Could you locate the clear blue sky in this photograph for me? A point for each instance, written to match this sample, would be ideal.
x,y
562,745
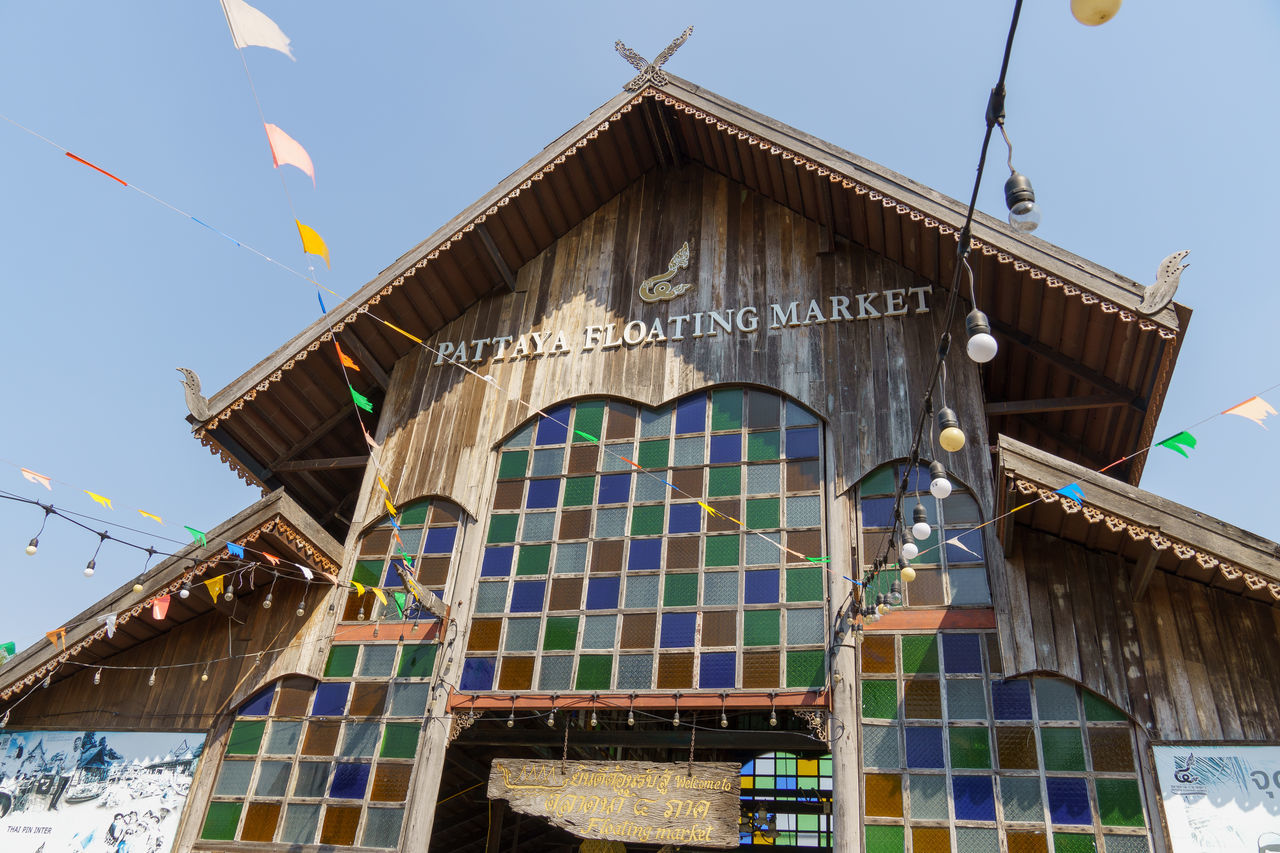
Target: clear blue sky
x,y
1153,133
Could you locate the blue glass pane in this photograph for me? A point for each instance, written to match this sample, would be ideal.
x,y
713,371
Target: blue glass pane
x,y
477,674
553,429
917,480
645,554
392,577
260,704
685,518
677,629
924,748
961,653
1011,700
691,414
350,781
974,797
330,701
526,596
497,562
615,488
726,448
802,443
440,540
1068,800
761,587
543,494
718,669
877,512
602,593
972,540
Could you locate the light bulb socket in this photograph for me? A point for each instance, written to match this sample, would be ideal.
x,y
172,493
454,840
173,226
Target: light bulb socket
x,y
895,593
976,323
1017,190
185,591
919,514
32,546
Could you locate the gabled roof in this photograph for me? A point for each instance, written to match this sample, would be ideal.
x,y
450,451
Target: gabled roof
x,y
1081,372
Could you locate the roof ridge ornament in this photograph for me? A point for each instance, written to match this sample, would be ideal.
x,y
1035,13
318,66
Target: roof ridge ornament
x,y
1160,294
650,72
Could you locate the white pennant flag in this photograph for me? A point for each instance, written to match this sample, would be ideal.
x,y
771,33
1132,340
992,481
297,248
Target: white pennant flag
x,y
110,619
955,540
249,27
306,573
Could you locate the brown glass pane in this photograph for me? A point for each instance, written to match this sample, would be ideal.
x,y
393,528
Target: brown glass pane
x,y
877,653
688,480
351,610
321,737
391,783
760,669
683,553
516,674
873,545
803,476
260,821
926,590
1027,842
443,511
584,458
368,700
1016,748
884,795
1112,750
675,671
606,556
340,825
720,628
922,699
375,543
484,635
295,697
806,542
637,630
930,839
575,524
993,654
621,422
730,508
566,594
509,494
433,571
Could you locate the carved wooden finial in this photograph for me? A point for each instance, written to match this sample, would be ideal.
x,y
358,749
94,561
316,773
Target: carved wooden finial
x,y
196,402
650,71
1160,293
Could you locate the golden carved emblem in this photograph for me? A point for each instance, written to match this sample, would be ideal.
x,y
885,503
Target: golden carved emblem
x,y
659,287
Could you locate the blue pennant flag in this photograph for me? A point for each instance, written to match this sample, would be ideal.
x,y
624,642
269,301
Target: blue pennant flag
x,y
1072,491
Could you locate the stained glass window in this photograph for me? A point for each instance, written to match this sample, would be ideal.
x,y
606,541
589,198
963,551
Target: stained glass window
x,y
602,568
788,799
955,757
421,543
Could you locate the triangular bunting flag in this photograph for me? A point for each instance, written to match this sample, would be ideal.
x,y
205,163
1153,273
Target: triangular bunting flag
x,y
99,499
285,151
214,585
8,649
235,550
368,439
306,573
57,637
359,588
588,436
312,243
271,558
38,479
1179,444
1072,491
955,540
1255,409
320,299
251,28
383,485
110,619
344,358
151,516
197,536
390,506
361,400
159,607
379,593
399,599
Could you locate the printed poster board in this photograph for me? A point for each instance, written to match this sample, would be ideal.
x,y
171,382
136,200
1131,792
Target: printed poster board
x,y
1220,796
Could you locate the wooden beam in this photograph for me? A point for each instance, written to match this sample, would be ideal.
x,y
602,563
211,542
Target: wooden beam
x,y
1142,573
319,432
1071,441
494,255
654,139
324,464
1054,404
494,842
727,739
367,361
670,138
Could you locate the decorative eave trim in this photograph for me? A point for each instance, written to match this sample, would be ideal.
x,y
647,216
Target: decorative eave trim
x,y
1154,537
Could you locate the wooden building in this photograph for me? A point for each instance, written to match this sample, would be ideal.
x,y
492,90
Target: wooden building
x,y
641,412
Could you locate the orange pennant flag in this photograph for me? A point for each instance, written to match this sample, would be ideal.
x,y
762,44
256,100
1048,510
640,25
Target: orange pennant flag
x,y
214,585
151,516
285,151
99,499
271,558
1255,409
57,637
312,243
344,358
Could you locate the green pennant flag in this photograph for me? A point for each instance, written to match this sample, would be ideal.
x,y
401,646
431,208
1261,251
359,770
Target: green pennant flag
x,y
1179,444
198,536
398,598
588,436
818,559
8,650
361,400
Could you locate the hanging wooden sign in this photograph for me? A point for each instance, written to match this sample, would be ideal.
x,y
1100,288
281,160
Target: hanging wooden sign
x,y
626,801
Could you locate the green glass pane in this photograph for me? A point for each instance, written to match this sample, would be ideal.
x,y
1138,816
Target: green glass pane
x,y
919,653
502,528
763,512
246,737
579,491
760,628
806,668
594,672
881,482
561,633
880,700
885,839
367,572
414,515
400,740
724,482
1099,710
654,454
722,550
342,662
1063,749
533,559
726,409
417,660
513,464
646,520
763,446
1073,842
970,748
588,418
680,591
804,584
1119,803
220,821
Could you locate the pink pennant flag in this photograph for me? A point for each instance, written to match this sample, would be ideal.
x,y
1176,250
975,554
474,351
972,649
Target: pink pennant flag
x,y
368,439
285,151
1255,409
38,479
249,27
159,607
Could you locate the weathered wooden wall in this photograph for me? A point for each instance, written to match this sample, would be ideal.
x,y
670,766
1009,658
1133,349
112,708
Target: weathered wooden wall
x,y
1186,660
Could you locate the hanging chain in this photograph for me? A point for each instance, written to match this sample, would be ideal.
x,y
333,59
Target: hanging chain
x,y
693,734
564,756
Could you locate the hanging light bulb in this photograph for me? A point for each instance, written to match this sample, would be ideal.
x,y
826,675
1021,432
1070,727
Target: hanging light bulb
x,y
724,719
551,718
939,486
511,718
137,587
858,634
909,550
32,546
882,605
920,527
302,608
773,718
1092,13
97,675
204,676
151,682
595,721
4,721
950,436
89,568
895,593
908,574
185,592
266,602
360,615
982,346
1024,213
675,719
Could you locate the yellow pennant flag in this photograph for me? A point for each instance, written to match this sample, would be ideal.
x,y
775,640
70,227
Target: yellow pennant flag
x,y
390,508
312,243
151,516
99,499
711,511
378,592
214,585
359,588
383,485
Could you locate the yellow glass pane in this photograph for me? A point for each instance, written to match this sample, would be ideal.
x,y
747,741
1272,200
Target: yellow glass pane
x,y
930,839
884,795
